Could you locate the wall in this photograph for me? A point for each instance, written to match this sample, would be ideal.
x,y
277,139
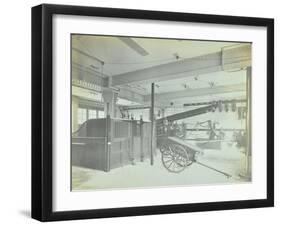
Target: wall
x,y
15,112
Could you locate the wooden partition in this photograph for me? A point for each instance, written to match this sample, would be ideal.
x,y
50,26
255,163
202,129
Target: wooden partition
x,y
89,145
121,143
105,144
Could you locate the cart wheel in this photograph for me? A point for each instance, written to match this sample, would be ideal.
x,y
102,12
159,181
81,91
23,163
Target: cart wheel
x,y
175,158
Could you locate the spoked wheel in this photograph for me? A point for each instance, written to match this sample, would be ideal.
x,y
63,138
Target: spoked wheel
x,y
175,158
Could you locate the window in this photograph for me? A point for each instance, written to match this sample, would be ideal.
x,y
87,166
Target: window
x,y
82,115
85,113
101,114
92,113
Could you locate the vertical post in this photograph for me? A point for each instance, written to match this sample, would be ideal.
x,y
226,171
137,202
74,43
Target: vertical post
x,y
246,172
106,110
131,134
109,98
152,124
141,141
248,122
108,143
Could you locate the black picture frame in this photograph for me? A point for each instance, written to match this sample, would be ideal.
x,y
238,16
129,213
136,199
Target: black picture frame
x,y
42,107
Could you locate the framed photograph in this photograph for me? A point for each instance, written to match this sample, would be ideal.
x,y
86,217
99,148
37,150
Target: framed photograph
x,y
145,112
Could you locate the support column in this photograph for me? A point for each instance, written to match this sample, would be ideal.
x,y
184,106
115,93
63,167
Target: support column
x,y
110,99
141,141
152,125
108,143
248,123
247,171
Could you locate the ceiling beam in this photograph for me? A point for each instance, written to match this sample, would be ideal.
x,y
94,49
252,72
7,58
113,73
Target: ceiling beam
x,y
91,94
134,45
164,97
141,107
131,96
136,107
88,55
231,59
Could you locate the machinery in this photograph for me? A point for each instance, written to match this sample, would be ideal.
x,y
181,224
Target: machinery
x,y
177,153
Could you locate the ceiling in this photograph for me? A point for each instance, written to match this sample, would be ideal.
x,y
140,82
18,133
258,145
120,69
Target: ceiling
x,y
113,56
119,58
199,81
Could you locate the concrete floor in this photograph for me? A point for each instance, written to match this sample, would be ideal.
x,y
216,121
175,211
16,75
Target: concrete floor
x,y
142,174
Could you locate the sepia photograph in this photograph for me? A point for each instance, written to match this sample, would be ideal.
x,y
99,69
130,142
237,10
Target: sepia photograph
x,y
157,112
